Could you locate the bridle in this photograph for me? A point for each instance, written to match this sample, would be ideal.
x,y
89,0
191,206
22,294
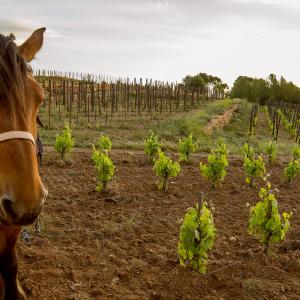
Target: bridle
x,y
20,135
13,135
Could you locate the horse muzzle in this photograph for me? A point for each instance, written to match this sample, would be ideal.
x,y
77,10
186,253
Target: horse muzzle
x,y
15,212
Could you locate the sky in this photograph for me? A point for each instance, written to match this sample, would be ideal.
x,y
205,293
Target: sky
x,y
162,39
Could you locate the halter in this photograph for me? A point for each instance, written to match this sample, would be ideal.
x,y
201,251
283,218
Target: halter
x,y
12,135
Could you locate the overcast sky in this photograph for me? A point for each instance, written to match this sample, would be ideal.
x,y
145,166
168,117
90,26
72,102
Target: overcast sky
x,y
161,39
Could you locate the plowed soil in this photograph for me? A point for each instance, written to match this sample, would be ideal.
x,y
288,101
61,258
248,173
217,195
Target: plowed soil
x,y
123,244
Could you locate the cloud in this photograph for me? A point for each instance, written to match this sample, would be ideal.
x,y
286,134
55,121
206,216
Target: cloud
x,y
11,26
167,38
268,14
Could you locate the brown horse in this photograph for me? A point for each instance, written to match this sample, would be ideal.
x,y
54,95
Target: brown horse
x,y
22,194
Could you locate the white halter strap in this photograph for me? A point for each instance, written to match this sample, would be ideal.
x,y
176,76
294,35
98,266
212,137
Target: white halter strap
x,y
12,135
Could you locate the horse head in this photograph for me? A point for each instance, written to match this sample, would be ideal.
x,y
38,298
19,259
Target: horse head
x,y
22,194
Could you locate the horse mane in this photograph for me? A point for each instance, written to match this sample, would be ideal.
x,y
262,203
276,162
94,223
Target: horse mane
x,y
12,70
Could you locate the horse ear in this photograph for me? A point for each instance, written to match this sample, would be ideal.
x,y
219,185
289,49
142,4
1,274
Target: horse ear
x,y
32,45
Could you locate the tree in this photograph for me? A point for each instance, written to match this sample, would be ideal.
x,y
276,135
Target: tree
x,y
261,90
242,87
202,83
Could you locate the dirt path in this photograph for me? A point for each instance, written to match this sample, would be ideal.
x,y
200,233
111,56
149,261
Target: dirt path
x,y
221,120
123,245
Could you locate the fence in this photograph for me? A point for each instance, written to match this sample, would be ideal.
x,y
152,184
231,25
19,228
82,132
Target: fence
x,y
286,113
86,99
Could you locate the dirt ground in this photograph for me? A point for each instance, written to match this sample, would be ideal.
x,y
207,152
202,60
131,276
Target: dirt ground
x,y
123,245
221,120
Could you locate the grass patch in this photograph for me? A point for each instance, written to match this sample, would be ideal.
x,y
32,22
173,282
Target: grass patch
x,y
174,128
170,128
131,134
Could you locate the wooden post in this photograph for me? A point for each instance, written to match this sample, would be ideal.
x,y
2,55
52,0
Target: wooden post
x,y
71,101
49,101
200,203
88,103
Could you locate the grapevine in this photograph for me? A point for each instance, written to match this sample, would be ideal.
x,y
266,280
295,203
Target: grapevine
x,y
152,147
265,221
64,142
186,147
165,168
197,234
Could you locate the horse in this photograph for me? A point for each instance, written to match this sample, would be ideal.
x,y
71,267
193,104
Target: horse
x,y
39,156
22,194
39,144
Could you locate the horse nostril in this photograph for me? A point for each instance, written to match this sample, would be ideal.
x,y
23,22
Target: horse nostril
x,y
7,206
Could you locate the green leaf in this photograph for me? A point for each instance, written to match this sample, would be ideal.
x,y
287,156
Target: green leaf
x,y
165,168
186,147
64,142
265,221
197,234
152,146
215,169
104,167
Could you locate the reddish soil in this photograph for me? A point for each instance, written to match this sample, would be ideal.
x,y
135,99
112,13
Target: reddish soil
x,y
221,120
123,245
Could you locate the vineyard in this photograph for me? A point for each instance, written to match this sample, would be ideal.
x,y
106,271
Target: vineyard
x,y
132,167
124,244
149,150
96,100
176,177
286,113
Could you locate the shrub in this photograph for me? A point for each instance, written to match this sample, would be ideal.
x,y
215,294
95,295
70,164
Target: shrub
x,y
221,149
105,168
104,144
292,170
215,169
293,167
165,168
296,152
254,168
152,147
247,151
64,142
197,234
265,221
186,147
271,151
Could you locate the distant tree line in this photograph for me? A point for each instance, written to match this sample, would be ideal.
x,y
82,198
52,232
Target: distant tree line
x,y
206,85
261,90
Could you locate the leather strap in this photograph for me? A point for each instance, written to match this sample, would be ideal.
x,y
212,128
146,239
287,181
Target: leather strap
x,y
12,135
